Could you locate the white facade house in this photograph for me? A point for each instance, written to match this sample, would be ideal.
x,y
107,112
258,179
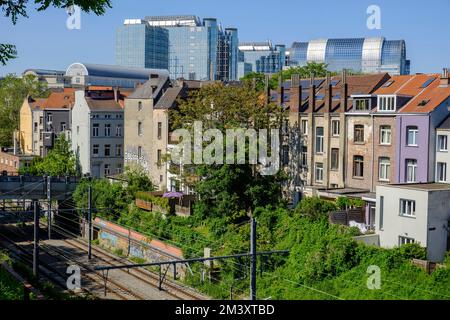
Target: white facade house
x,y
442,151
415,213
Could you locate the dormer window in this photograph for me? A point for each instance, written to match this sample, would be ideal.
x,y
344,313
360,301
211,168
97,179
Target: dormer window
x,y
362,104
386,103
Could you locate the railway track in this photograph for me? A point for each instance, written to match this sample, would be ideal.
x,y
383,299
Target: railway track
x,y
176,290
51,256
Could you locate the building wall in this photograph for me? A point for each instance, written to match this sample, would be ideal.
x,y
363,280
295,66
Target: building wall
x,y
9,162
160,171
81,134
382,150
133,140
26,128
395,225
363,149
426,228
419,152
38,135
442,156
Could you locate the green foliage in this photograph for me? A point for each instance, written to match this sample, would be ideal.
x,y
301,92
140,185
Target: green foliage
x,y
10,288
315,208
13,92
161,202
59,161
344,203
137,180
7,52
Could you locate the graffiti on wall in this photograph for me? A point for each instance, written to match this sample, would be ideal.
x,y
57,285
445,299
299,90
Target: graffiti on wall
x,y
110,238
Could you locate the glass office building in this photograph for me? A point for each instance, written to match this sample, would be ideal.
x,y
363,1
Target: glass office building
x,y
196,50
142,46
262,56
366,55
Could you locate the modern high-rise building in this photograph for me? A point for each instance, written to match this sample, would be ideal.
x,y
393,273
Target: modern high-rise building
x,y
262,57
366,55
185,45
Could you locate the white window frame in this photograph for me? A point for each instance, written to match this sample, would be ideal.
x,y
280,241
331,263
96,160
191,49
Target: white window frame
x,y
405,240
441,171
384,169
317,170
387,103
439,144
415,131
335,128
407,208
385,131
304,124
319,141
411,163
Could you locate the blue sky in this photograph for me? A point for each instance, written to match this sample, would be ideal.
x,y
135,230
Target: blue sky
x,y
43,41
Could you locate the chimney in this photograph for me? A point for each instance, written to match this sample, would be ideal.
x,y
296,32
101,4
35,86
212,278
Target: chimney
x,y
116,94
312,94
344,91
280,99
295,93
267,89
328,94
445,80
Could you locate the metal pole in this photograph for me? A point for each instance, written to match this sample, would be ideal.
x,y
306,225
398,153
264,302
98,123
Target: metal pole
x,y
89,222
253,259
36,239
49,214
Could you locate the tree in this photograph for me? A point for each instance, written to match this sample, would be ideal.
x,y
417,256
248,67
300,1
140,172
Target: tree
x,y
137,180
226,190
16,8
13,92
59,161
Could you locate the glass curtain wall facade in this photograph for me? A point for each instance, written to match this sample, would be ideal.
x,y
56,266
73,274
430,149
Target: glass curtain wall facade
x,y
366,55
141,46
263,57
195,49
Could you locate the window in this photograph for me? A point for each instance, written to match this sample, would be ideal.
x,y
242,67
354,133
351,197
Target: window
x,y
107,167
35,127
159,130
41,119
49,118
384,169
95,127
95,149
63,126
158,157
78,129
358,166
386,103
41,135
305,127
139,105
441,174
304,156
161,178
411,170
107,150
319,140
334,159
404,240
442,142
362,104
411,136
319,172
407,208
335,128
107,130
139,152
119,168
140,128
385,135
118,150
381,212
358,133
119,130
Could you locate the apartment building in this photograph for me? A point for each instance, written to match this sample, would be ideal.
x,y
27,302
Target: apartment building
x,y
415,213
318,135
98,131
442,152
42,120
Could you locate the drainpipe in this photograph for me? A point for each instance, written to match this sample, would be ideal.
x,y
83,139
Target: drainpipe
x,y
373,153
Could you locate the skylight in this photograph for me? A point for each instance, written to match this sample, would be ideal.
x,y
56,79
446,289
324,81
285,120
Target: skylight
x,y
387,84
427,83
